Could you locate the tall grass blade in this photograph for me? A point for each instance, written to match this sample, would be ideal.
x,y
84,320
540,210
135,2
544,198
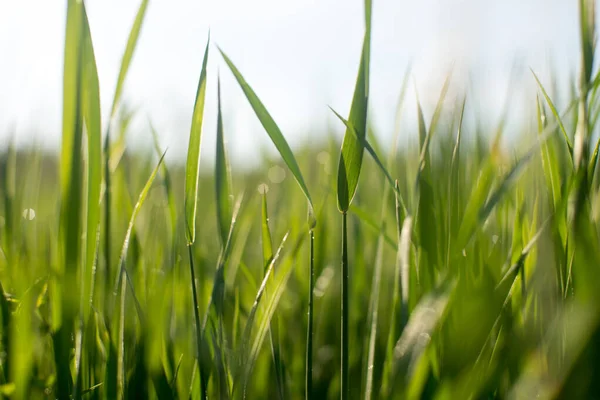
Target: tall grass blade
x,y
350,162
373,313
271,127
123,70
123,273
92,116
222,176
193,157
556,114
267,248
426,211
65,300
128,54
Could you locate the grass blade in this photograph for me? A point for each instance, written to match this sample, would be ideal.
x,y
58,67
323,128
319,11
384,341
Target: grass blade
x,y
350,162
193,157
92,116
271,127
123,273
65,300
556,114
128,54
124,68
267,248
222,176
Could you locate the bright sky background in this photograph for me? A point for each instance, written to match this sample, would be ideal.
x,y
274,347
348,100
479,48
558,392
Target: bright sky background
x,y
299,56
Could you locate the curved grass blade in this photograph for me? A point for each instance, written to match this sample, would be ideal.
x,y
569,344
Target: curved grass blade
x,y
425,221
350,162
222,176
122,268
272,287
246,337
363,141
453,184
124,68
193,157
555,113
128,54
271,127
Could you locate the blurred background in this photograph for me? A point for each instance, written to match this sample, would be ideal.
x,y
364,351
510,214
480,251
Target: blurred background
x,y
299,56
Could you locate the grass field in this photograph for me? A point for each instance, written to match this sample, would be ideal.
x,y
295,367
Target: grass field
x,y
454,267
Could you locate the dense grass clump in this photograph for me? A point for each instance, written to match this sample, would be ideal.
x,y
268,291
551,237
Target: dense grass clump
x,y
451,268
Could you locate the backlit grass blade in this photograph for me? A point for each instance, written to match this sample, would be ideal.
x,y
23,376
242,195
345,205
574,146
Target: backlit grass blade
x,y
122,269
555,113
124,68
349,167
222,176
123,280
167,180
426,225
128,54
193,157
267,248
350,162
453,185
271,127
91,113
91,110
350,129
213,317
65,301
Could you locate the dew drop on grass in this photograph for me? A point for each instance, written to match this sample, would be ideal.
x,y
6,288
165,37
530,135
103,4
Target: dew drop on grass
x,y
276,174
263,188
29,214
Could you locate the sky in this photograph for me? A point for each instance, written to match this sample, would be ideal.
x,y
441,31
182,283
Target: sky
x,y
300,56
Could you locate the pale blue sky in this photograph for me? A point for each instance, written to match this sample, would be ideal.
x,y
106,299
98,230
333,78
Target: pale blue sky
x,y
299,56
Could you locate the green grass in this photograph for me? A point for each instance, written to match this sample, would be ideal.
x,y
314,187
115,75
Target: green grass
x,y
459,267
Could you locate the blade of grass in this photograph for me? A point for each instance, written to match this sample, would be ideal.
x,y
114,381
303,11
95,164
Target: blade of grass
x,y
124,68
267,248
271,127
373,312
91,113
222,176
128,54
556,114
65,300
426,226
193,157
191,203
122,259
